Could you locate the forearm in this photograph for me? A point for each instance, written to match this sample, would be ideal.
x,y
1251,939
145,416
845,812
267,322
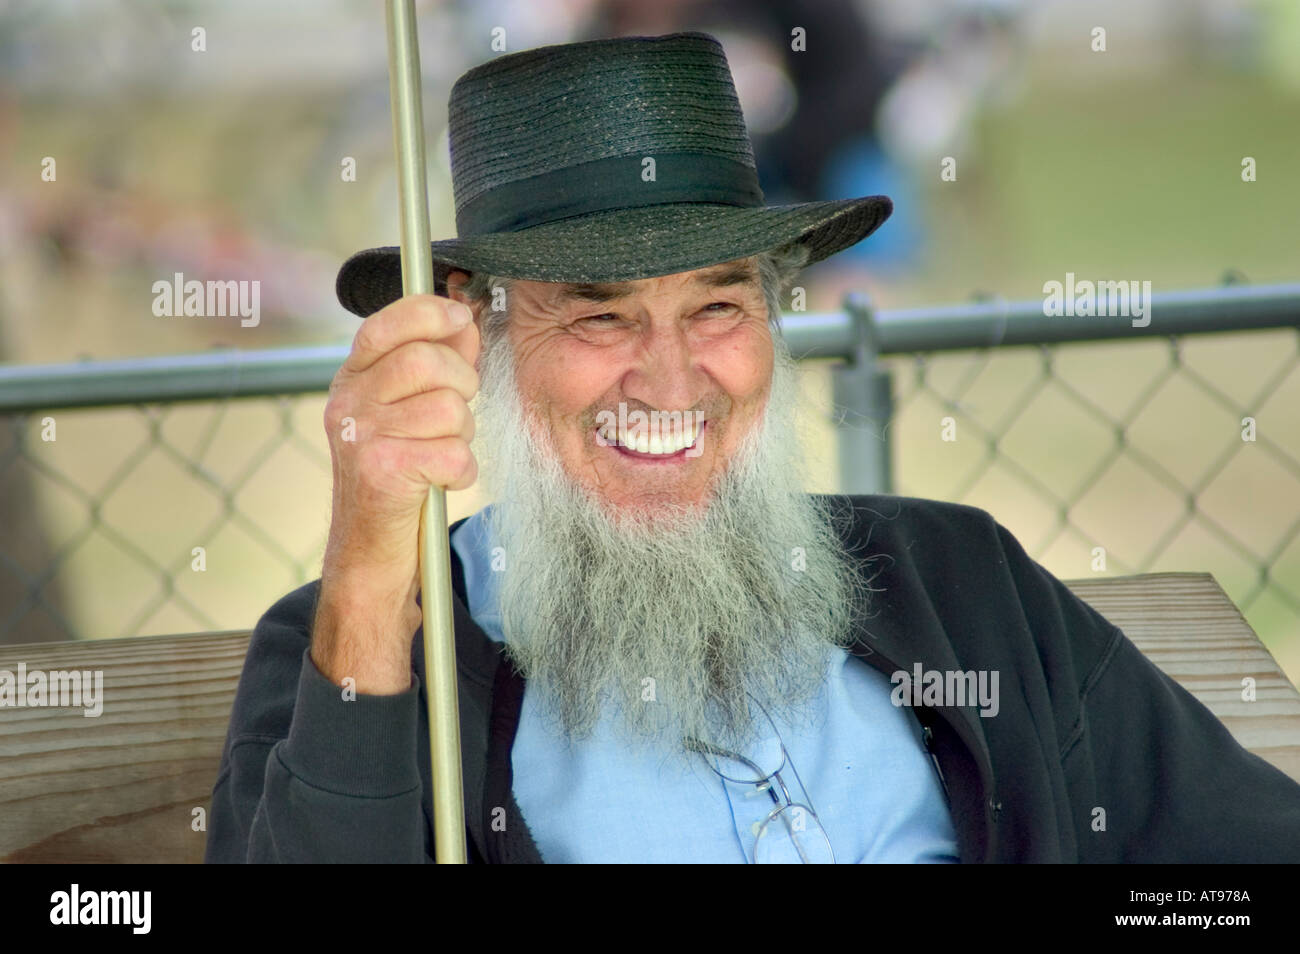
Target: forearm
x,y
364,634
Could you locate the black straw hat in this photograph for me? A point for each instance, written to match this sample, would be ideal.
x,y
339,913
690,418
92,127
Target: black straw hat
x,y
607,160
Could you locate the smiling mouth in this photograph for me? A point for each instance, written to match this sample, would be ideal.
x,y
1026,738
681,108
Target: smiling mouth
x,y
654,448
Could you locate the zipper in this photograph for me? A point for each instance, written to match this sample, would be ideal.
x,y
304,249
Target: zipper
x,y
928,735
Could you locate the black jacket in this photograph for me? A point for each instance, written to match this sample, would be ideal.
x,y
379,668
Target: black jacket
x,y
1095,755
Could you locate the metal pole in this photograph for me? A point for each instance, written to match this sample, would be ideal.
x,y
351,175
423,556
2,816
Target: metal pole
x,y
435,554
863,399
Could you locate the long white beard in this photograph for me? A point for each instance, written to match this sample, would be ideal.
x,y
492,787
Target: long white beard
x,y
674,626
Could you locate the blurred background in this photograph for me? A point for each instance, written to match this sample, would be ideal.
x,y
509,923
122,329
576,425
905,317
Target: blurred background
x,y
224,163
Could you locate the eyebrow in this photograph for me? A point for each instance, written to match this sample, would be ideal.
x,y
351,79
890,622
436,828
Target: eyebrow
x,y
730,273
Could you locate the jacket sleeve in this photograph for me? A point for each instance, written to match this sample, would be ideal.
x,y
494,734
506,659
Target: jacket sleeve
x,y
1175,785
307,775
1153,775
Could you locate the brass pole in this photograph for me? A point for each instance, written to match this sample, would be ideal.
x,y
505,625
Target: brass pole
x,y
435,555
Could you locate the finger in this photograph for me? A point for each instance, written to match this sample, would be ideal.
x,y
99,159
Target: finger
x,y
433,414
465,343
414,368
412,318
445,462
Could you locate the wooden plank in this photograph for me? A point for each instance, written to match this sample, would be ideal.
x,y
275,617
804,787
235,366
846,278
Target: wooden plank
x,y
120,787
123,787
1186,624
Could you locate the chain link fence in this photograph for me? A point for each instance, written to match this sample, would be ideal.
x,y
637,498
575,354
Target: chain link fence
x,y
1113,456
120,498
1124,458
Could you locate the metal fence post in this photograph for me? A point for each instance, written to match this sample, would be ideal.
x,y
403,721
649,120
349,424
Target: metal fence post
x,y
862,392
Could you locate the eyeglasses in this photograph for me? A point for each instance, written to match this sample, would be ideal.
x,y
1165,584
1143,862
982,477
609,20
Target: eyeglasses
x,y
791,832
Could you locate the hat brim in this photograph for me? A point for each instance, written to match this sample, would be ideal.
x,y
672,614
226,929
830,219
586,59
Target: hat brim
x,y
621,245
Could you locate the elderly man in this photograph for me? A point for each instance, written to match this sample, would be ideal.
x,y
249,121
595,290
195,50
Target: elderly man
x,y
667,651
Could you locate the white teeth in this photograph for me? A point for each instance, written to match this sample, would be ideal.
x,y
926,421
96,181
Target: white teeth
x,y
663,445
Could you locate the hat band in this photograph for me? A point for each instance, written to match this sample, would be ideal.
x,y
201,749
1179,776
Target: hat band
x,y
618,182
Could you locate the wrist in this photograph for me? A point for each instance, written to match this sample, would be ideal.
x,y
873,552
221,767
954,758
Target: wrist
x,y
364,634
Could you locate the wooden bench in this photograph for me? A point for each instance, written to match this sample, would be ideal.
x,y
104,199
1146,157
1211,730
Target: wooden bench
x,y
124,787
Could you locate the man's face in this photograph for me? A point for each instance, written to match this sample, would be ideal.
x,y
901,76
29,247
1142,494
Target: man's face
x,y
695,343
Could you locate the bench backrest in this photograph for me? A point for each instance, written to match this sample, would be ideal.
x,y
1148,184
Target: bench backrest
x,y
133,784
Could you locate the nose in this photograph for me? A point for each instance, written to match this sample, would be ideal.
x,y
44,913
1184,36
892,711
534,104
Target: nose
x,y
666,375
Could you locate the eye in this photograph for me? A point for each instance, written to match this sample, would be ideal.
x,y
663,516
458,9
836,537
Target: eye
x,y
717,308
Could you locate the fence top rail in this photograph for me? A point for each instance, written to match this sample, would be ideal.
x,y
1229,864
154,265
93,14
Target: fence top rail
x,y
856,331
1000,323
186,377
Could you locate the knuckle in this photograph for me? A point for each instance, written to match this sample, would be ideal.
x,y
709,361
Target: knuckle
x,y
336,410
469,378
452,409
419,365
455,371
446,362
366,339
468,472
457,457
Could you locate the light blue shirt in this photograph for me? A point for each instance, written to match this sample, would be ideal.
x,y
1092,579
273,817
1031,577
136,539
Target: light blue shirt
x,y
863,766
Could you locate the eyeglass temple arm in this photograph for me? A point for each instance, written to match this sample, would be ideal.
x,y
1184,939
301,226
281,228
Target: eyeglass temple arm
x,y
698,746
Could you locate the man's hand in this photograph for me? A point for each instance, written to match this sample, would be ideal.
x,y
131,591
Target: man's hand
x,y
398,421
